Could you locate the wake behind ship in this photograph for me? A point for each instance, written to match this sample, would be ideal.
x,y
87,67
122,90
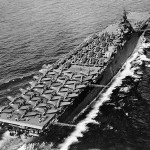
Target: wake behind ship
x,y
60,91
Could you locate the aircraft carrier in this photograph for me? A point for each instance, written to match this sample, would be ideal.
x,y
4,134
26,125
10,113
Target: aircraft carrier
x,y
61,90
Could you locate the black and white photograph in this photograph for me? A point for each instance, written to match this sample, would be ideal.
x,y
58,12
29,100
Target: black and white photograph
x,y
74,74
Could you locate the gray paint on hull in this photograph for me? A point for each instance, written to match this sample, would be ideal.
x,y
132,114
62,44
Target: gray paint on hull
x,y
111,70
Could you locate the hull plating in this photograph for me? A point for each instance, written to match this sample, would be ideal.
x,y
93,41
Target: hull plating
x,y
91,92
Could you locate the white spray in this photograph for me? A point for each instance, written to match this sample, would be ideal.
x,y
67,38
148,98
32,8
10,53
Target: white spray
x,y
5,138
82,126
23,147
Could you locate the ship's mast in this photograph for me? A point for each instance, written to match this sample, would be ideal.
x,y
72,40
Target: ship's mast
x,y
125,15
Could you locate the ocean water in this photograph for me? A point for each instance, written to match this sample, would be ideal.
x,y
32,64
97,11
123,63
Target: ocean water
x,y
37,32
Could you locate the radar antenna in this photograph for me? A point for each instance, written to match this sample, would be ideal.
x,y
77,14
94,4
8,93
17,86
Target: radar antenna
x,y
125,16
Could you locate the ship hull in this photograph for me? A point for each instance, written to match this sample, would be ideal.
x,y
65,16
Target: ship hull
x,y
90,93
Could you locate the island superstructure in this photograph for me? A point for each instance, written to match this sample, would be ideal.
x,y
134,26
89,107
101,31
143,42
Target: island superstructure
x,y
63,89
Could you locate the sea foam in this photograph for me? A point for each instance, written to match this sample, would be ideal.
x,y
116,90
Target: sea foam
x,y
81,127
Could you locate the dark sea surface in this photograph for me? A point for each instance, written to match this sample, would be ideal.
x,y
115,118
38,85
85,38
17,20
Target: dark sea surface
x,y
37,32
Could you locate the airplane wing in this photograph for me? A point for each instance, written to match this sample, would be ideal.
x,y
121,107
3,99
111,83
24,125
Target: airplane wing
x,y
33,113
71,86
66,99
25,97
42,105
54,103
72,95
39,90
63,89
43,71
48,91
32,102
56,97
11,98
35,98
15,106
39,86
25,107
2,108
80,86
47,96
46,79
87,78
7,110
33,83
70,82
39,109
64,103
51,73
51,111
23,91
21,112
